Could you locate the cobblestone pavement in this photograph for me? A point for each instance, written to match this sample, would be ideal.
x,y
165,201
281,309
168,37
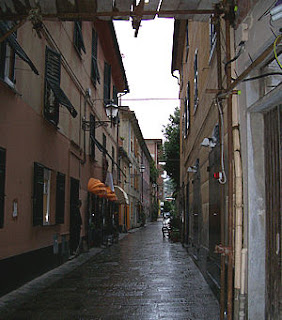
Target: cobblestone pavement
x,y
142,277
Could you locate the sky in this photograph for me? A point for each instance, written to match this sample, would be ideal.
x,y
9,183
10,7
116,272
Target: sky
x,y
147,63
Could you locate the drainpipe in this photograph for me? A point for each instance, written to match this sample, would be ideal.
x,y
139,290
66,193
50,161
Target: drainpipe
x,y
230,179
239,254
222,222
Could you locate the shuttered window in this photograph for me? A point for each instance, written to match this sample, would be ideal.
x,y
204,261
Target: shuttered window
x,y
60,197
2,184
187,111
54,95
38,186
196,75
95,75
8,48
187,42
107,83
78,37
92,137
115,97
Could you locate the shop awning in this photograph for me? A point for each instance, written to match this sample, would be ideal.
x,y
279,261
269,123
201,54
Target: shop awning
x,y
121,195
110,194
97,187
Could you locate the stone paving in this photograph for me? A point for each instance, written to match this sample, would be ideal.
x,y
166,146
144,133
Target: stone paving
x,y
142,277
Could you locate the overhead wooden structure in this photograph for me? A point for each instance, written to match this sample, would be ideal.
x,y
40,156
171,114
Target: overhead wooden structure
x,y
107,9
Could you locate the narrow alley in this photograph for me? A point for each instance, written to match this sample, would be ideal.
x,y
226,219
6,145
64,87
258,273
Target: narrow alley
x,y
144,276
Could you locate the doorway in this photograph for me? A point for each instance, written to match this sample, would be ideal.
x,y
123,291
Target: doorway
x,y
74,197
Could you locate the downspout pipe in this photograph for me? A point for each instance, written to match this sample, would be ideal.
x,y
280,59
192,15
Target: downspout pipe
x,y
230,178
222,222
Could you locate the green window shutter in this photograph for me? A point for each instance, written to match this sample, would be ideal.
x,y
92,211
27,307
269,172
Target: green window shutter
x,y
60,198
78,37
95,75
38,185
107,83
2,184
115,97
92,137
54,95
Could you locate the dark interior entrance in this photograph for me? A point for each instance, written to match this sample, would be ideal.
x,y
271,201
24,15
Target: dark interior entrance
x,y
74,197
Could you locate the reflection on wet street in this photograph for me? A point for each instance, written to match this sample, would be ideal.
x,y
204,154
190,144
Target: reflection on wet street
x,y
142,277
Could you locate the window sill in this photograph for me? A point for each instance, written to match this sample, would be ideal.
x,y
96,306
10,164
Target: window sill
x,y
7,83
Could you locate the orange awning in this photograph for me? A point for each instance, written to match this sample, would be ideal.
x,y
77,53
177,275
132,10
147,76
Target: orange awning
x,y
97,187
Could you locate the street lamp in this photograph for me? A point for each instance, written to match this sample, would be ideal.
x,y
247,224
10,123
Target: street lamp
x,y
111,112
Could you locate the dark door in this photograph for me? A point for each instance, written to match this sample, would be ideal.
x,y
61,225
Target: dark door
x,y
273,143
186,219
74,197
213,263
196,214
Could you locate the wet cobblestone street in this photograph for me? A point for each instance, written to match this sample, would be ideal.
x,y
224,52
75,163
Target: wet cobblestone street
x,y
142,277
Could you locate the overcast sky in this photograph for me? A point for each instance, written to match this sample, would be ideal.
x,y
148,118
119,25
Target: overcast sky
x,y
147,62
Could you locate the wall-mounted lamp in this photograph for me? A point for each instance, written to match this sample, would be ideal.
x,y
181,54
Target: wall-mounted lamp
x,y
209,142
192,169
111,110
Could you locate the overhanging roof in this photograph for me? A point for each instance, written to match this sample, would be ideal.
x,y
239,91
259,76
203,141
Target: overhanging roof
x,y
104,9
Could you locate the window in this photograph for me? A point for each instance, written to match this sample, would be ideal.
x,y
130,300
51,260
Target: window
x,y
7,63
45,186
187,43
95,75
107,83
8,49
115,97
196,74
2,184
54,95
92,137
212,35
187,111
78,38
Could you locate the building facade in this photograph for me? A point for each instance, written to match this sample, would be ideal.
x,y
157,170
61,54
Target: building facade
x,y
230,93
56,80
138,159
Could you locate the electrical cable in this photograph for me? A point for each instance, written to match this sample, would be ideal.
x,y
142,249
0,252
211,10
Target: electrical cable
x,y
275,52
241,45
263,76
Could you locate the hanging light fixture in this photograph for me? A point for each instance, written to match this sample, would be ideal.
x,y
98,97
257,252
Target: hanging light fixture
x,y
111,110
